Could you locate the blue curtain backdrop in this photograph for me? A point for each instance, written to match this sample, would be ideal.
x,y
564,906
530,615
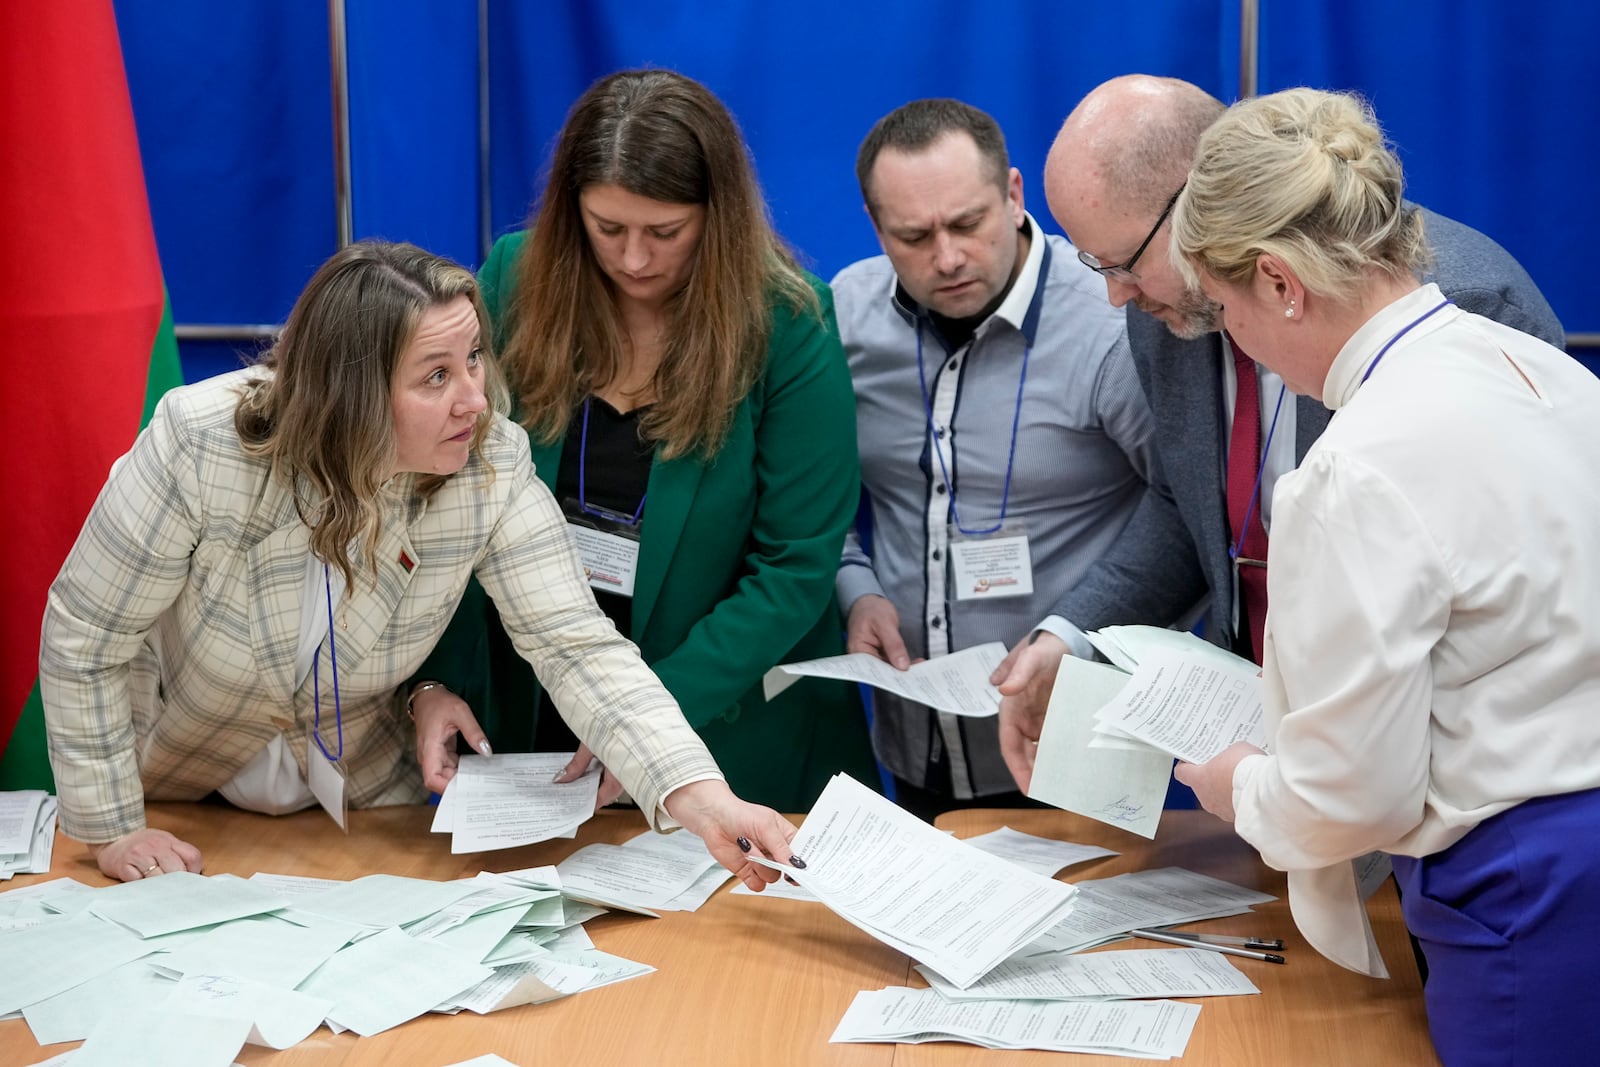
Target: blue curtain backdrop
x,y
1491,105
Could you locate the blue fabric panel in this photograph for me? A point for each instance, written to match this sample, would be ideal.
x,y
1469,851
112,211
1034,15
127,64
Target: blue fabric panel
x,y
414,123
232,107
1492,107
806,82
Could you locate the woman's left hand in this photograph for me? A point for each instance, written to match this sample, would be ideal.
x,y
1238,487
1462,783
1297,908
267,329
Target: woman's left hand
x,y
1212,781
733,830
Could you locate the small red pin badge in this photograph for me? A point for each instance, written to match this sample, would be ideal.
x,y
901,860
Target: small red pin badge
x,y
407,562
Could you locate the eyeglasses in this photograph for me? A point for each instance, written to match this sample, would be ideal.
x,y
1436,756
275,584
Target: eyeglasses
x,y
1123,272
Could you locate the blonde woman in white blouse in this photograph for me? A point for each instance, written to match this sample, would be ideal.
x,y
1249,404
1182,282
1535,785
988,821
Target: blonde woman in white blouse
x,y
1432,652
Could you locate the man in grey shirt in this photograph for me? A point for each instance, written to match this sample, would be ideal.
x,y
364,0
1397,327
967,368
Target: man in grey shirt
x,y
1004,438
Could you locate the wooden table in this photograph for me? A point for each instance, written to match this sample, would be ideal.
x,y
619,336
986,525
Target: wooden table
x,y
745,980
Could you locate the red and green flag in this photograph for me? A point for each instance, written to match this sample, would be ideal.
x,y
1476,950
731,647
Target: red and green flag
x,y
85,330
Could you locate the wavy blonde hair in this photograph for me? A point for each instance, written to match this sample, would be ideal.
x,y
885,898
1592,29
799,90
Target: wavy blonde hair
x,y
1304,175
660,135
323,416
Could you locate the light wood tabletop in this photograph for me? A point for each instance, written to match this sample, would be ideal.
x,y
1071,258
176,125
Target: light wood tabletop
x,y
747,980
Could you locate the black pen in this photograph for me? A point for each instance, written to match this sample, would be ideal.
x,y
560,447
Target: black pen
x,y
1187,942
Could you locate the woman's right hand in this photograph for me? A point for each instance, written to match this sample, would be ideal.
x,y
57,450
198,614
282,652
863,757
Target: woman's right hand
x,y
145,854
440,716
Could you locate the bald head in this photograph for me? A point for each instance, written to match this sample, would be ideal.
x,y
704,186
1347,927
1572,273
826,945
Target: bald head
x,y
1119,158
1129,143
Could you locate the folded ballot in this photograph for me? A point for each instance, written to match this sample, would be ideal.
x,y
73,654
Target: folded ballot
x,y
957,683
952,907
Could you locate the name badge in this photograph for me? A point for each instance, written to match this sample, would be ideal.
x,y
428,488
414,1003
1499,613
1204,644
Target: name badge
x,y
990,567
610,560
325,777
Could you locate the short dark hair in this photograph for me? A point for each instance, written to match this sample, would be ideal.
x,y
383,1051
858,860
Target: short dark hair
x,y
914,126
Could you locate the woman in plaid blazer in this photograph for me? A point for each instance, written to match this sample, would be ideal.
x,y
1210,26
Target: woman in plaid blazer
x,y
283,546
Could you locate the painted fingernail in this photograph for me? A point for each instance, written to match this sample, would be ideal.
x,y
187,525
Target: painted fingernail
x,y
743,843
483,746
797,863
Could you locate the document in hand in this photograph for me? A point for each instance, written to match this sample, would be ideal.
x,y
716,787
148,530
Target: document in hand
x,y
1187,705
942,902
1125,786
957,683
510,800
1108,740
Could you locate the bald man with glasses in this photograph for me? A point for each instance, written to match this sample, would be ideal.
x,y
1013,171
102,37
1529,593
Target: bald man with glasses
x,y
1226,428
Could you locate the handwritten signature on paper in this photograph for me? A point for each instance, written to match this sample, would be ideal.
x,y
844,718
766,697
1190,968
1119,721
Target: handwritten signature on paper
x,y
1122,810
217,987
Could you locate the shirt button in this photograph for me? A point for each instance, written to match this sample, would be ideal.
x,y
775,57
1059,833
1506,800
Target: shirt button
x,y
939,489
938,431
954,363
936,555
936,622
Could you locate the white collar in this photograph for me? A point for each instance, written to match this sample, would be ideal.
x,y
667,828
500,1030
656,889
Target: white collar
x,y
1349,367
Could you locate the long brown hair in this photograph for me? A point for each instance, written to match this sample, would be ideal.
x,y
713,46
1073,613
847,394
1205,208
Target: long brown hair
x,y
661,135
323,416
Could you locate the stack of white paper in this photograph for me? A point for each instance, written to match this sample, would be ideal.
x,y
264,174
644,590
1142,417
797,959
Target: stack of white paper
x,y
957,683
1128,646
1109,738
1190,706
511,800
1124,975
1109,907
1042,855
939,900
27,832
651,873
1149,1030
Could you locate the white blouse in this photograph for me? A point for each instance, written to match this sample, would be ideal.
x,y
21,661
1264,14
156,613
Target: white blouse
x,y
1433,643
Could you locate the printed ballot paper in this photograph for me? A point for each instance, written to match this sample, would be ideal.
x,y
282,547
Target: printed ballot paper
x,y
1188,706
1109,736
947,905
511,800
957,683
27,832
1124,786
1149,1030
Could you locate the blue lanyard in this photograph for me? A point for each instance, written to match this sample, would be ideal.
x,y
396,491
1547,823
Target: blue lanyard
x,y
1255,493
316,683
1384,351
933,443
583,464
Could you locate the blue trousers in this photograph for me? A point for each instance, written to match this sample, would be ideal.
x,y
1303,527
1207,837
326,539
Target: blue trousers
x,y
1509,920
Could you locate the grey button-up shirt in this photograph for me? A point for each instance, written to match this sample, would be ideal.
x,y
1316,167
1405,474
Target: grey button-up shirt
x,y
1082,459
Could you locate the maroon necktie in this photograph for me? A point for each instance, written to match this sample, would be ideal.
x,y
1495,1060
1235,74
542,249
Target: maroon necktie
x,y
1244,463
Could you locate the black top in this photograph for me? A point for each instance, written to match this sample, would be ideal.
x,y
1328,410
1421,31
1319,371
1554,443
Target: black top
x,y
616,471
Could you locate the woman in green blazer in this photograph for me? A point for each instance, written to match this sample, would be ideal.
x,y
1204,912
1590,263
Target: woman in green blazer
x,y
687,400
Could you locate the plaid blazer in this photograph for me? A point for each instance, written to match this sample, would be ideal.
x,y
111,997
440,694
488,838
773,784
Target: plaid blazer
x,y
167,657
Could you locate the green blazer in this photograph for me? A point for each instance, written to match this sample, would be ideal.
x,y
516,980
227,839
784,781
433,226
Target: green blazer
x,y
736,574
